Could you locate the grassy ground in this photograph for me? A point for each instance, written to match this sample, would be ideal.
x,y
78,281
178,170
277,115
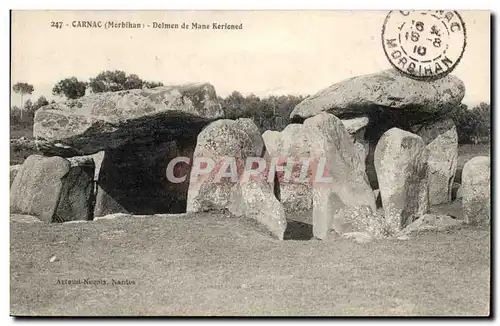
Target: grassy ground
x,y
21,132
217,265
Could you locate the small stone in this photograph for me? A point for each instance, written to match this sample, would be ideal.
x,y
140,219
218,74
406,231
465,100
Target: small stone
x,y
111,216
359,237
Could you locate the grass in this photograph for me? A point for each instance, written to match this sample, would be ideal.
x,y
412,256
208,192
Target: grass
x,y
214,264
21,132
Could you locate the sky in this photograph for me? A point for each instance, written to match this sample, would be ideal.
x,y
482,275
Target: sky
x,y
276,52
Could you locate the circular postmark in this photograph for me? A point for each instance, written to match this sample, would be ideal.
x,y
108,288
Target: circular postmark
x,y
424,45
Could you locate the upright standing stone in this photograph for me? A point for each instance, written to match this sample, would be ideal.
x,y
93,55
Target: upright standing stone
x,y
402,171
53,189
356,128
476,190
442,142
254,197
296,196
221,141
338,182
77,194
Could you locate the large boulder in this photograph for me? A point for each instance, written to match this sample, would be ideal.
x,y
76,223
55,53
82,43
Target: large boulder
x,y
222,142
402,170
476,191
337,180
54,189
133,179
441,139
110,120
388,89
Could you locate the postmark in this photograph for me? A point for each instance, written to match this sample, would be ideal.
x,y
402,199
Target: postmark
x,y
424,45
